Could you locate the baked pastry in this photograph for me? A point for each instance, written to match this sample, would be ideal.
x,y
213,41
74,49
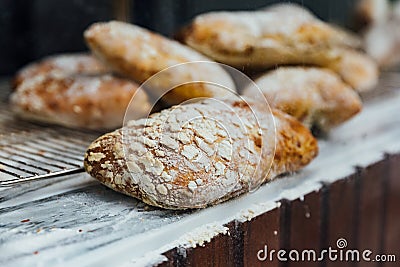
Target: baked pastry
x,y
82,101
137,53
61,64
355,68
382,42
382,37
370,12
283,34
315,96
199,154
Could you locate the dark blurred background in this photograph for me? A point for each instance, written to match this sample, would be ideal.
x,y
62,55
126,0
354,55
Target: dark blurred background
x,y
31,29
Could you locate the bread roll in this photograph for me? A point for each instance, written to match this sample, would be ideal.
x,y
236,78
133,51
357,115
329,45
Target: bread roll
x,y
382,42
370,12
61,64
79,101
315,96
199,154
138,54
355,68
280,35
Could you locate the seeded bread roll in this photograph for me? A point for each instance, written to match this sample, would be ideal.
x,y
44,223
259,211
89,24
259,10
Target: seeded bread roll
x,y
282,34
314,96
199,154
62,64
79,101
137,53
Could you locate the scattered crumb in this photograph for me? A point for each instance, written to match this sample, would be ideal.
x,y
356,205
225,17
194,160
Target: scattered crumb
x,y
25,220
307,213
36,252
202,235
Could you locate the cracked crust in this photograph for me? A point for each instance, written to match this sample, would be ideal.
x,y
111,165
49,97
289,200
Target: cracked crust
x,y
199,154
78,101
62,64
314,96
137,53
283,34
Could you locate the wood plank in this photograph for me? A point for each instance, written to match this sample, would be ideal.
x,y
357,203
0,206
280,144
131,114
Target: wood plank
x,y
305,226
221,251
391,240
264,230
172,258
370,223
343,202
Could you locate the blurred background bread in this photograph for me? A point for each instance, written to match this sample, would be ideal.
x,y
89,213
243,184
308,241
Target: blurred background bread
x,y
283,34
94,102
315,96
381,30
61,65
137,53
31,29
293,36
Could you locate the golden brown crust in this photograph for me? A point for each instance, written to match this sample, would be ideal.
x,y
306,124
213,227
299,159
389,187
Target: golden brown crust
x,y
82,101
103,150
354,67
314,96
279,25
295,146
61,64
138,54
184,157
280,35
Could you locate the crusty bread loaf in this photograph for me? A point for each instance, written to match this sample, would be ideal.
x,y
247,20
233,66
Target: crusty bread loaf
x,y
368,12
280,35
138,54
315,96
61,64
199,154
355,68
382,42
82,101
382,35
